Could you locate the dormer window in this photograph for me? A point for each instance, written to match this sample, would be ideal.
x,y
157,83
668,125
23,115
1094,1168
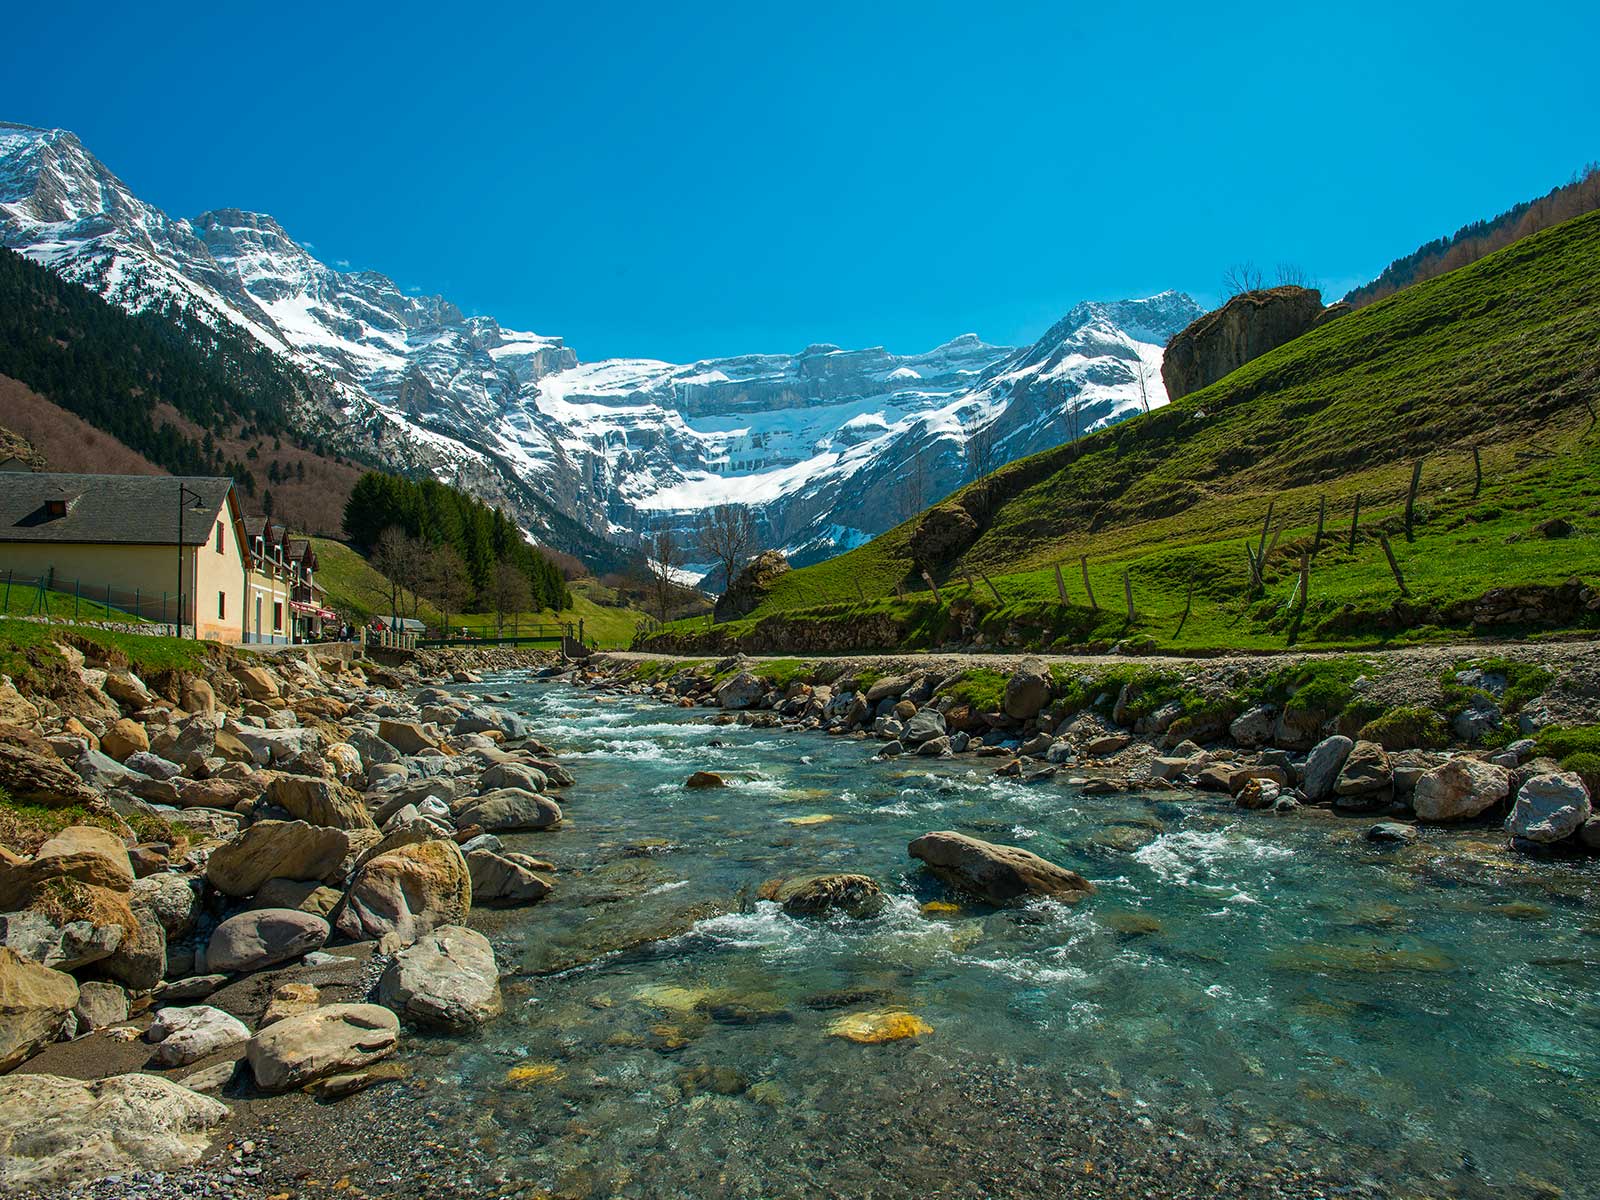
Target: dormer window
x,y
55,508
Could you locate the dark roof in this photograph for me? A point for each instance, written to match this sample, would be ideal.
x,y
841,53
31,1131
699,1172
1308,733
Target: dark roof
x,y
139,510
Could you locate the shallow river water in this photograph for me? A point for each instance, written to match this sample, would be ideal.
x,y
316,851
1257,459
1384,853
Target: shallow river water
x,y
1249,1004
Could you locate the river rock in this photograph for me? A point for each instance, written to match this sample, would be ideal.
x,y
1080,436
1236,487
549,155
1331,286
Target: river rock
x,y
741,691
65,946
100,1005
999,874
926,725
1323,766
186,1035
140,959
499,878
82,852
35,1003
263,938
1459,789
705,779
513,775
408,737
29,777
318,802
817,895
276,850
335,1038
507,809
1549,808
407,892
170,898
1392,831
127,689
1028,690
1366,774
447,980
55,1130
1254,727
256,682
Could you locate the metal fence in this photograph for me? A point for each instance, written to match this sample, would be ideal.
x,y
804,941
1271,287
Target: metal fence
x,y
80,599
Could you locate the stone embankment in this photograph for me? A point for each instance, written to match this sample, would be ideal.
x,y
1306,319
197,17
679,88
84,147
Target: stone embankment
x,y
240,882
1352,734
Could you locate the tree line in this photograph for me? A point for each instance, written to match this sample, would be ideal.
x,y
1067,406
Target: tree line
x,y
446,546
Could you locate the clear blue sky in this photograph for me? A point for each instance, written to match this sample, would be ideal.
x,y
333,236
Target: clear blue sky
x,y
688,180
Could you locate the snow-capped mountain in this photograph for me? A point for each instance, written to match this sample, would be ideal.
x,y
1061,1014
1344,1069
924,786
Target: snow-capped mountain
x,y
828,446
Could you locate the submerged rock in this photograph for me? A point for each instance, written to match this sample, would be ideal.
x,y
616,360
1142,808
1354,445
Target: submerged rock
x,y
871,1028
815,895
999,874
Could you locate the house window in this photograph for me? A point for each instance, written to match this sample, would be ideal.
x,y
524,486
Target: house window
x,y
222,606
219,537
277,616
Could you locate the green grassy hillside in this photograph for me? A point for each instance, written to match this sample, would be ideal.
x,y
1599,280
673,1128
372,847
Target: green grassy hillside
x,y
1500,355
355,586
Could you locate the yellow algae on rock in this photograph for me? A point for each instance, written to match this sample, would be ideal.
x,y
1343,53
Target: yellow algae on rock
x,y
937,907
809,819
888,1025
534,1073
673,998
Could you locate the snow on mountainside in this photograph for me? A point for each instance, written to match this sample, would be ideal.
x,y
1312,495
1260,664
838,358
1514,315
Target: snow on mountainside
x,y
829,446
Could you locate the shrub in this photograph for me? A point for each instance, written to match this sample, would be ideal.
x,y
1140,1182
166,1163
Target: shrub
x,y
1562,741
1586,765
1407,729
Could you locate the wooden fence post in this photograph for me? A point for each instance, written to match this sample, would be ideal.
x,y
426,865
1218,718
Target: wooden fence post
x,y
1388,553
1127,592
1061,586
1477,471
1305,580
1261,552
1083,565
1355,522
997,597
1411,496
932,586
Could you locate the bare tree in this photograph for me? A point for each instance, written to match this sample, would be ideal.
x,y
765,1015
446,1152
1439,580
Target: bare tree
x,y
982,449
665,558
1239,278
395,561
451,588
1071,410
509,592
1293,275
914,488
1141,373
727,535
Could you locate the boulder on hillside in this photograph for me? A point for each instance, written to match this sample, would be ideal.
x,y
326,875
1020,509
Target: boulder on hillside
x,y
1028,690
751,585
996,873
1244,328
943,533
55,1130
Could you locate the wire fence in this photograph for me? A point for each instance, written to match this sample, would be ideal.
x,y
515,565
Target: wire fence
x,y
58,597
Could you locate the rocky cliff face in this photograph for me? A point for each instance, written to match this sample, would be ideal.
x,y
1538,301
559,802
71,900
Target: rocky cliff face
x,y
1244,328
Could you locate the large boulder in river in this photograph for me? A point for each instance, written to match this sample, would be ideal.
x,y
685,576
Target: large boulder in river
x,y
996,873
1244,328
447,980
1460,789
333,1039
1549,808
275,850
55,1130
751,585
35,1002
407,892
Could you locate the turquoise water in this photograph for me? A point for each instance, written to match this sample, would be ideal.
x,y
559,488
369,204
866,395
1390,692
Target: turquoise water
x,y
1245,993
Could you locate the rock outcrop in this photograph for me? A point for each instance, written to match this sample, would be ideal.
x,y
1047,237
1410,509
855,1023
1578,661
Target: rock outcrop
x,y
1244,328
751,585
